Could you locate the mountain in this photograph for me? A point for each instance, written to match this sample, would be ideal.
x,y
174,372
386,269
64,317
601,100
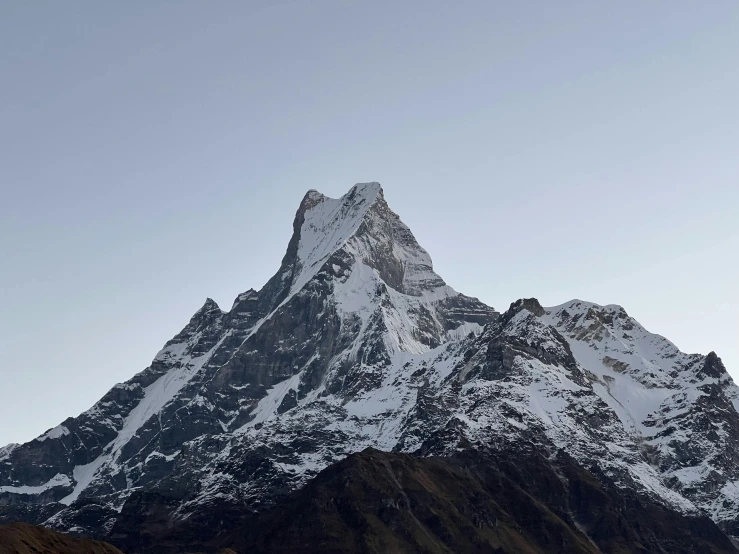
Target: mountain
x,y
355,343
21,538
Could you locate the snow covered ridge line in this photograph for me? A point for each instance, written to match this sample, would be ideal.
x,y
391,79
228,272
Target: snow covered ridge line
x,y
55,433
356,342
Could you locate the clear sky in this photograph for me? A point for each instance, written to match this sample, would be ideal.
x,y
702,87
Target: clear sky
x,y
153,154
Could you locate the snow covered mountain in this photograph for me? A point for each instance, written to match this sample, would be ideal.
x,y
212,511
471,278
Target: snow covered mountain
x,y
356,342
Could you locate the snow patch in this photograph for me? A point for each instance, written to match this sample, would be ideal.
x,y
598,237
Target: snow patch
x,y
58,480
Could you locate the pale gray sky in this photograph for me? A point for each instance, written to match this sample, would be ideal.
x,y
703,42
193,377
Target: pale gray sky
x,y
153,153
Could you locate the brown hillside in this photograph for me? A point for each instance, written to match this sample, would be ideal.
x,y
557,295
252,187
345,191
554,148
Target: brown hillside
x,y
381,503
21,538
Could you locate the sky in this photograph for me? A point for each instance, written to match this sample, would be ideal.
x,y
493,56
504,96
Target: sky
x,y
153,154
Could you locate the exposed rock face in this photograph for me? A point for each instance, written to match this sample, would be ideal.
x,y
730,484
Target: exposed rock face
x,y
356,342
21,538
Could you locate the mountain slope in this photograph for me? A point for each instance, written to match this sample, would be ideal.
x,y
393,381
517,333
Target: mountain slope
x,y
378,502
20,538
356,342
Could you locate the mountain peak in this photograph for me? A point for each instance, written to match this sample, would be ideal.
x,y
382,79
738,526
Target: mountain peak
x,y
712,366
370,191
358,194
310,199
530,304
325,225
209,305
357,227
